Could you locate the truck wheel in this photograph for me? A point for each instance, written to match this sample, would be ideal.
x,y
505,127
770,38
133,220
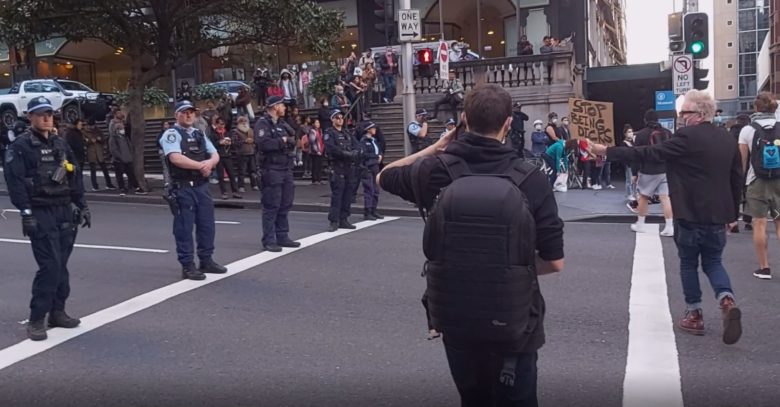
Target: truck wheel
x,y
70,113
8,116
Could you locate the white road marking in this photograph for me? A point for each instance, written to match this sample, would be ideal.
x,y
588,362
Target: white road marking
x,y
652,366
226,222
92,246
2,212
27,348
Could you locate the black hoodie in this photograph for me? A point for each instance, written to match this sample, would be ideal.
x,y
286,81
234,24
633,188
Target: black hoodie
x,y
488,156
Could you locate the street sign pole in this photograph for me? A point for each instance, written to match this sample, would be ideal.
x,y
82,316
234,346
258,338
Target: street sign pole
x,y
407,74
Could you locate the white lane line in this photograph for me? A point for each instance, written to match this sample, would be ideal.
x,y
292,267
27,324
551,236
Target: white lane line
x,y
652,366
27,348
93,246
226,222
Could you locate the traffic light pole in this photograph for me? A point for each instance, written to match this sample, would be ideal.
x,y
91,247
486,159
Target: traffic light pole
x,y
408,80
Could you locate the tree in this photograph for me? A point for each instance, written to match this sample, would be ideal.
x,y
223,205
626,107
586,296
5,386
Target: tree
x,y
172,32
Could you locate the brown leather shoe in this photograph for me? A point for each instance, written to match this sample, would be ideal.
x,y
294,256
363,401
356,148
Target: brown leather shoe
x,y
732,321
693,322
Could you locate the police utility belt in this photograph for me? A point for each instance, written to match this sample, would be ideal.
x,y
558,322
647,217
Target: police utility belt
x,y
179,184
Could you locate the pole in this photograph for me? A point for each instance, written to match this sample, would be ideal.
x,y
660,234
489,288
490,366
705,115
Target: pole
x,y
441,20
519,29
407,74
479,28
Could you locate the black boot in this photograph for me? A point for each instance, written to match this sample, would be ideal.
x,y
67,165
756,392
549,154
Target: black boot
x,y
376,215
210,266
289,243
334,226
189,272
367,215
36,331
273,247
344,224
62,320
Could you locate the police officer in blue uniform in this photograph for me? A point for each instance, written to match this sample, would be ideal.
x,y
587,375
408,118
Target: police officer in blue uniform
x,y
45,184
190,157
372,156
417,131
344,152
278,154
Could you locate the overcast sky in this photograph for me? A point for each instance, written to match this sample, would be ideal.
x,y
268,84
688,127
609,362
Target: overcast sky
x,y
647,28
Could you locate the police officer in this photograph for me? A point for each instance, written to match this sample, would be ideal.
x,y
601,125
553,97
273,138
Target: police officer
x,y
343,151
372,156
418,131
278,152
190,158
45,185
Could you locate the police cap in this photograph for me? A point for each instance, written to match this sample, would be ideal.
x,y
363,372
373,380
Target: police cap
x,y
39,104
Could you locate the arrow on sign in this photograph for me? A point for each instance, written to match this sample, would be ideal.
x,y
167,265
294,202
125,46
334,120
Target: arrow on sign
x,y
411,34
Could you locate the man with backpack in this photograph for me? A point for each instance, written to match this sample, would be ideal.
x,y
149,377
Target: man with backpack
x,y
758,146
481,200
651,180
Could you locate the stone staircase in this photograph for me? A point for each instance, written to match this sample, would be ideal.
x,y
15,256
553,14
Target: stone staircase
x,y
390,119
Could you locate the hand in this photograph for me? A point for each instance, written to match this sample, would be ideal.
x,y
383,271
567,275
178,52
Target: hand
x,y
381,157
284,138
441,145
205,168
85,218
29,225
730,226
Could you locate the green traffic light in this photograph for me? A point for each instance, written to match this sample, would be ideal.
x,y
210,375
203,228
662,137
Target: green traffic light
x,y
697,47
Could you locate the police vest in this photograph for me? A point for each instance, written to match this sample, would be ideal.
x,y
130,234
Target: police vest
x,y
45,190
344,142
282,159
193,146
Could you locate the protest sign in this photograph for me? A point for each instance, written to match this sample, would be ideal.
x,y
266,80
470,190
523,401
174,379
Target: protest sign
x,y
592,120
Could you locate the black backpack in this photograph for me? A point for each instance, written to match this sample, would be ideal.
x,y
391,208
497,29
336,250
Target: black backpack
x,y
480,242
765,152
658,135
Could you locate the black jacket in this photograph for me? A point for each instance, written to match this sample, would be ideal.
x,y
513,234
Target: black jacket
x,y
518,121
703,168
488,156
653,166
75,139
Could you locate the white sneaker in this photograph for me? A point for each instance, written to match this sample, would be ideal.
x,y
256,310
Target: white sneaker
x,y
636,227
596,187
668,232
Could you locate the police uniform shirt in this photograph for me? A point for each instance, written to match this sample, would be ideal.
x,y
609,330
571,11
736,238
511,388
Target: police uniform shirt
x,y
171,140
414,129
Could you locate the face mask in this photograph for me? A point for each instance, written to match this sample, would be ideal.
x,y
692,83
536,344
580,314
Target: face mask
x,y
554,121
243,127
325,104
538,127
718,119
341,92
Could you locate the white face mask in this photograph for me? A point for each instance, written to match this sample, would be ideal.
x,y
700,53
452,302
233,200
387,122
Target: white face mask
x,y
554,121
243,127
538,127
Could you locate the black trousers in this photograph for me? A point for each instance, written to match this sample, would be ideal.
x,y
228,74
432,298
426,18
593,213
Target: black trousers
x,y
342,185
451,101
121,168
316,167
226,165
52,245
93,174
247,167
476,372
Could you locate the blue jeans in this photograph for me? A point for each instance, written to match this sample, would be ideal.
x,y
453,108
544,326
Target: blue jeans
x,y
476,372
605,178
630,186
389,83
695,240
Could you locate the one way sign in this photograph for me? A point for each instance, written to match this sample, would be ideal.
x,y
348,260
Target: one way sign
x,y
409,28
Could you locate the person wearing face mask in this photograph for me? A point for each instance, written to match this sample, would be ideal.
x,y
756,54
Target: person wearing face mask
x,y
563,131
244,144
122,154
704,169
552,128
718,119
323,114
538,139
340,100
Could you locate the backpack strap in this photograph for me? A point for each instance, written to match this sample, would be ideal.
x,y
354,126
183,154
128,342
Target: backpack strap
x,y
456,167
519,171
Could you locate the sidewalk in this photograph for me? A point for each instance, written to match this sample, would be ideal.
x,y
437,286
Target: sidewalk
x,y
574,205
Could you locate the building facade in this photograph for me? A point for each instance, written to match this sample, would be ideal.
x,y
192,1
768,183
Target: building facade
x,y
739,28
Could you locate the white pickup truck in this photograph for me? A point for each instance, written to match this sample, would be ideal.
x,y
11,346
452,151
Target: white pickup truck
x,y
72,100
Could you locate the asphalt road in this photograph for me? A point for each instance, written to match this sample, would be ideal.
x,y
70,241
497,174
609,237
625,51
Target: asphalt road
x,y
339,322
